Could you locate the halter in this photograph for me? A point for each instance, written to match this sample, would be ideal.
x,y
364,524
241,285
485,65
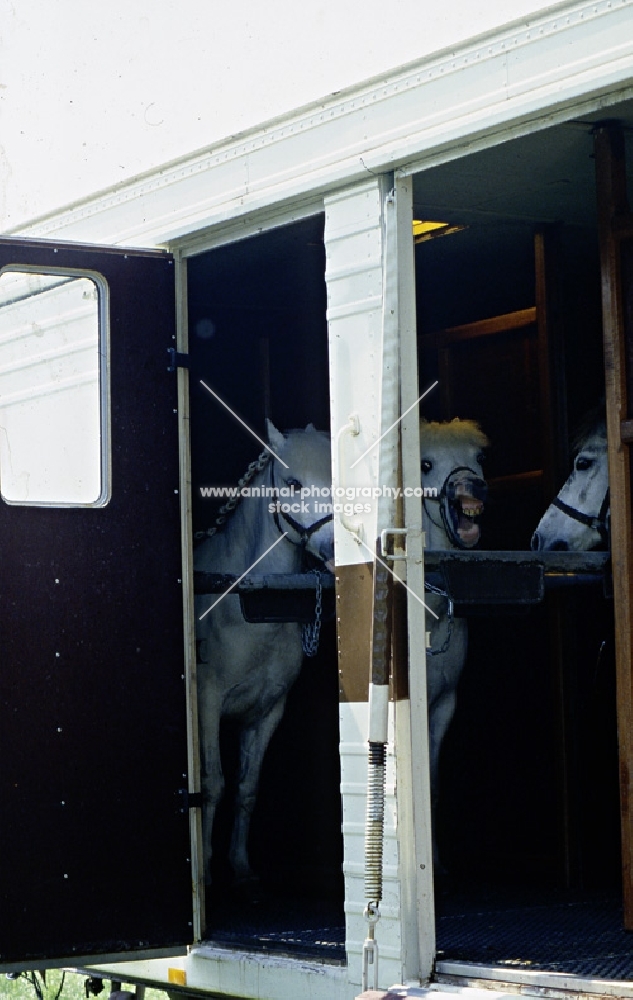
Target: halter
x,y
230,506
309,633
447,496
598,522
305,533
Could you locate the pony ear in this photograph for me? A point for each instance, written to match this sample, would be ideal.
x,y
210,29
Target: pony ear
x,y
275,437
310,429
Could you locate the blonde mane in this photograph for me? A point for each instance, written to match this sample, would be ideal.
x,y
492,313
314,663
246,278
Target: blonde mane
x,y
454,431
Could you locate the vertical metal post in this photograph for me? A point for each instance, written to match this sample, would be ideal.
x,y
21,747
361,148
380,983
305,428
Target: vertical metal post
x,y
195,815
411,715
387,447
614,224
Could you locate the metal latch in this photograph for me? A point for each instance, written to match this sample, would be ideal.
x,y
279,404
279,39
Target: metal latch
x,y
177,360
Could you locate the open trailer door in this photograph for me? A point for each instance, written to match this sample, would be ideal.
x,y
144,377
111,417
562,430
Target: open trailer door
x,y
94,842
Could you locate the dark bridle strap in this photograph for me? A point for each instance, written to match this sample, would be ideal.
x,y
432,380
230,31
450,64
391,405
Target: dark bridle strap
x,y
591,520
442,499
596,521
304,532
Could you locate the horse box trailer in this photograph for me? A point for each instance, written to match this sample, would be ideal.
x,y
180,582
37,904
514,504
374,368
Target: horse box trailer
x,y
279,270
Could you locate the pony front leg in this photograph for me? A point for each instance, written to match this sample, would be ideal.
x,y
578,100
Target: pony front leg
x,y
212,777
440,715
253,744
444,670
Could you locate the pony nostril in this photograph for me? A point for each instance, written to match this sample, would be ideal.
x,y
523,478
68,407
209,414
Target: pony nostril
x,y
560,545
536,542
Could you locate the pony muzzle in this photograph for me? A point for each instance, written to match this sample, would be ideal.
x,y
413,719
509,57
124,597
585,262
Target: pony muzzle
x,y
463,504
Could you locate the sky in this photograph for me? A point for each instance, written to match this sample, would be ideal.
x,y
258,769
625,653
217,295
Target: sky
x,y
93,92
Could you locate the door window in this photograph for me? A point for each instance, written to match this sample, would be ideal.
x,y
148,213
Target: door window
x,y
53,342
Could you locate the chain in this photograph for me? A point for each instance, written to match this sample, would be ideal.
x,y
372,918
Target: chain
x,y
310,633
450,615
229,507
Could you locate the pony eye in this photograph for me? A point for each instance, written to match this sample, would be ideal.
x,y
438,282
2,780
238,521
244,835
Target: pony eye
x,y
582,463
480,458
293,483
426,465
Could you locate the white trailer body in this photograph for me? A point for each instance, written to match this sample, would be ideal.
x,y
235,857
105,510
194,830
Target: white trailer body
x,y
498,129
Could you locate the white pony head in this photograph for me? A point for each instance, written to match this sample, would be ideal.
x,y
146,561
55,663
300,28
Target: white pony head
x,y
451,455
304,478
577,520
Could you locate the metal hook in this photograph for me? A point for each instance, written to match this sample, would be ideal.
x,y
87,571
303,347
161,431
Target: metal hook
x,y
370,946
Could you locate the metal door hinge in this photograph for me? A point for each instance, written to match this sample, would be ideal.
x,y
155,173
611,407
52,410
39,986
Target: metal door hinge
x,y
189,800
176,359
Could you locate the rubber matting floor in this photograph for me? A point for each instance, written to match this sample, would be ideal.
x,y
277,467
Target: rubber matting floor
x,y
561,932
578,934
303,928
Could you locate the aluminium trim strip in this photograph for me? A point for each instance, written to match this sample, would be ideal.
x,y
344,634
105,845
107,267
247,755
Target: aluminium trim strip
x,y
469,974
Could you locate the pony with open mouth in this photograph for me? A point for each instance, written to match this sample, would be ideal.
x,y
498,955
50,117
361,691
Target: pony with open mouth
x,y
451,456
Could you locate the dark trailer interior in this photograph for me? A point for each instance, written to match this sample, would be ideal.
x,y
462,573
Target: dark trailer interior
x,y
258,338
510,322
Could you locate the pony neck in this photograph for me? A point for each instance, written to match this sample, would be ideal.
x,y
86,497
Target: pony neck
x,y
435,535
253,529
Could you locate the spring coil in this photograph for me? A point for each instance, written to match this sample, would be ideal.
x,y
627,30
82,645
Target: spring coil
x,y
374,827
